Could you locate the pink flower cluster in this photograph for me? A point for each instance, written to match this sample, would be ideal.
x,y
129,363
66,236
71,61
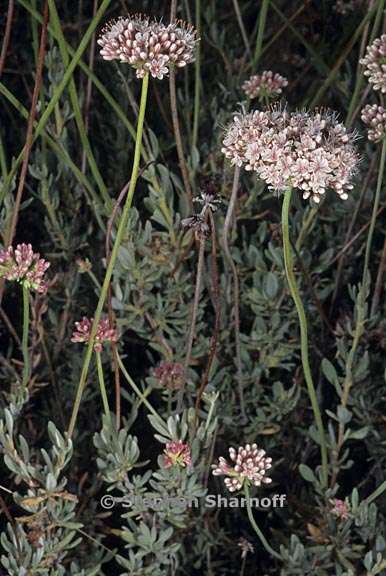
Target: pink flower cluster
x,y
340,509
250,465
375,63
25,266
171,375
265,85
105,333
374,117
148,45
311,152
177,453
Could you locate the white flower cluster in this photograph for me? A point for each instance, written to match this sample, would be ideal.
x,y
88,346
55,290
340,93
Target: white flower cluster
x,y
375,118
308,151
375,63
249,464
147,45
265,85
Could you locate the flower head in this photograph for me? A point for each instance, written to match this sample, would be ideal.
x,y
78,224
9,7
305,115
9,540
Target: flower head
x,y
374,117
25,266
148,45
198,224
265,85
340,509
309,151
245,546
177,453
170,375
249,465
375,63
105,333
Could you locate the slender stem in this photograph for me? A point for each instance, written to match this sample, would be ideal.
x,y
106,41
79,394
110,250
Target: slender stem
x,y
26,368
86,147
138,391
7,35
177,135
25,154
359,74
260,31
236,288
361,311
197,78
114,254
377,492
58,91
375,210
102,386
242,27
303,331
196,302
259,533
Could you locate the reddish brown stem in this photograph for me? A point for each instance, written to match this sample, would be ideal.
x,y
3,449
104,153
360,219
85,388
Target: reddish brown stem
x,y
216,296
31,120
7,35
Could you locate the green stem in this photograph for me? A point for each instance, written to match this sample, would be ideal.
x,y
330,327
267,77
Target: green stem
x,y
260,31
114,254
377,492
197,78
102,386
255,526
138,391
303,331
26,368
374,212
59,89
76,107
359,75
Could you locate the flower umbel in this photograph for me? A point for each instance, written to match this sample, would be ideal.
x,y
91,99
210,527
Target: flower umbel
x,y
265,85
25,266
374,117
105,333
177,453
250,465
170,375
148,45
375,63
308,151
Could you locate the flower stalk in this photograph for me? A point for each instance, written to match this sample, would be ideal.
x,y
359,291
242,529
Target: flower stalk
x,y
102,386
259,533
26,317
114,254
289,269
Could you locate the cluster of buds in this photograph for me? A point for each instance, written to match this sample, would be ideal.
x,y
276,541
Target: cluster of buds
x,y
374,117
170,375
310,152
340,509
265,85
249,465
25,266
198,224
105,333
148,45
177,453
375,63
